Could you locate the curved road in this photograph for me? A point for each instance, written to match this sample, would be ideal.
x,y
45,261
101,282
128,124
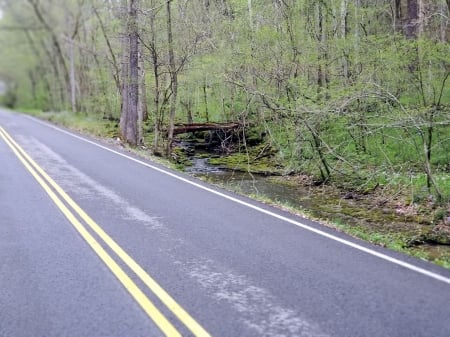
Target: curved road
x,y
95,242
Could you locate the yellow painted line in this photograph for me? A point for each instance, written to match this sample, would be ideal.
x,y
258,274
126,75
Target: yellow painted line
x,y
165,298
166,327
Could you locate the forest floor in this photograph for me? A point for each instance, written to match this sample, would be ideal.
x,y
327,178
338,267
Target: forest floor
x,y
384,215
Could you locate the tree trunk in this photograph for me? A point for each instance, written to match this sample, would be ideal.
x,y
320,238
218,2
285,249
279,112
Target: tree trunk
x,y
134,76
156,93
411,27
444,12
156,100
250,13
142,106
205,100
129,118
322,76
344,30
427,144
33,83
124,85
73,97
173,79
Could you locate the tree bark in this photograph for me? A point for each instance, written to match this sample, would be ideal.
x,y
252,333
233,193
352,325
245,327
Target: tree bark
x,y
411,27
142,106
155,61
322,76
134,76
344,30
124,79
73,96
129,118
205,99
173,78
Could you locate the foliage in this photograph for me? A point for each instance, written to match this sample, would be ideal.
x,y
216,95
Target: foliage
x,y
345,91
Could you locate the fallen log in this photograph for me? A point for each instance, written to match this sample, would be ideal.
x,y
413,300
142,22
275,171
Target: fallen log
x,y
194,127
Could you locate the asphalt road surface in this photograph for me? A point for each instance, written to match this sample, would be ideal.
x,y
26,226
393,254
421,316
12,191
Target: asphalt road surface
x,y
96,242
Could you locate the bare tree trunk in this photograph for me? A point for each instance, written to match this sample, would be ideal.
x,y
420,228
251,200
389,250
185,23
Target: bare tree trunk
x,y
344,15
130,102
134,76
427,145
154,57
73,97
357,33
173,79
250,13
398,9
188,107
125,82
205,99
397,15
69,38
411,27
142,106
422,18
344,30
322,76
156,99
445,12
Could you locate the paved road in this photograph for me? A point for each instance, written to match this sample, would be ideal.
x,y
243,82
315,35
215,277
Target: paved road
x,y
100,243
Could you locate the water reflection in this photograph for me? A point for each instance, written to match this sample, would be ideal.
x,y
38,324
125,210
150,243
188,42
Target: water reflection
x,y
251,184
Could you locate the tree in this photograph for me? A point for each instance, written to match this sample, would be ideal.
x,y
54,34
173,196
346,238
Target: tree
x,y
339,87
130,77
173,77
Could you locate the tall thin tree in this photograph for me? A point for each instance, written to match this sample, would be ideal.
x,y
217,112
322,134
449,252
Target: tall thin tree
x,y
130,78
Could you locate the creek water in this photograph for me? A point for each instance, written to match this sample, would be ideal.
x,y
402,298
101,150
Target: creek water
x,y
249,184
296,196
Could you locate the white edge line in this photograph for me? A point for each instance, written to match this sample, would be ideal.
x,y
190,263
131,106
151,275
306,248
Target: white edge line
x,y
259,209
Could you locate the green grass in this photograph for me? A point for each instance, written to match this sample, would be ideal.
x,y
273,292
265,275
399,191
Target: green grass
x,y
92,124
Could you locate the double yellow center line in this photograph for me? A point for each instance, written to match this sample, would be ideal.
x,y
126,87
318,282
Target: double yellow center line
x,y
69,208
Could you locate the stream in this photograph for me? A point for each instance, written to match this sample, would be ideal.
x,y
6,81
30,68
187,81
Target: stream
x,y
250,184
246,183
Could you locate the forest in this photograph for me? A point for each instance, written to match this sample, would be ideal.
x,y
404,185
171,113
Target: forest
x,y
349,92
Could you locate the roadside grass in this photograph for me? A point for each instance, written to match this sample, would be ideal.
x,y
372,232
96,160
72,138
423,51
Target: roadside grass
x,y
92,124
96,126
396,242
